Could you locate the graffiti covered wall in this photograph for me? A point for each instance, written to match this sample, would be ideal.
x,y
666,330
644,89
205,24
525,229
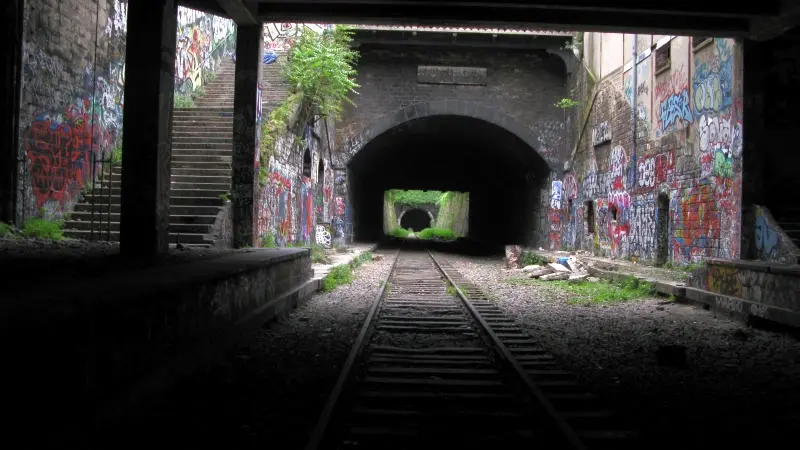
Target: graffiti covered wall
x,y
660,176
72,93
202,42
301,201
72,98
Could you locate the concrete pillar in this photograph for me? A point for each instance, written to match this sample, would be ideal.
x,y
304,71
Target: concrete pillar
x,y
249,50
10,87
755,57
147,146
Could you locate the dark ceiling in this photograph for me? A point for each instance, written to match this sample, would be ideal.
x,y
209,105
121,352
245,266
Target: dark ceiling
x,y
762,19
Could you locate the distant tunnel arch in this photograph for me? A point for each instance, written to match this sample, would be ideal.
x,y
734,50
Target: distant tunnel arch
x,y
504,174
416,219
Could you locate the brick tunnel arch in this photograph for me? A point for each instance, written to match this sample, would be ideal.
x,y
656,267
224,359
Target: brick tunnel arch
x,y
457,146
415,221
353,143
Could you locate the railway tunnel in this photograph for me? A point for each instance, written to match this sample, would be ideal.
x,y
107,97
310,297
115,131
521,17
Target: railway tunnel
x,y
502,173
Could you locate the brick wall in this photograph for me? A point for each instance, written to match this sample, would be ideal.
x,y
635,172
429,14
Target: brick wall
x,y
521,85
673,193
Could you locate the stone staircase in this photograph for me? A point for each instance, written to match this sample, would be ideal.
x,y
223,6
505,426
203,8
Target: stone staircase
x,y
789,220
202,147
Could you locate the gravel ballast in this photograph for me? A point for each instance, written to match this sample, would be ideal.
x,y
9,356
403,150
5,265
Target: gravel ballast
x,y
740,384
269,391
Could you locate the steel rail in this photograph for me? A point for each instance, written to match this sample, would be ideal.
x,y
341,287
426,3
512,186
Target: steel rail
x,y
330,406
565,429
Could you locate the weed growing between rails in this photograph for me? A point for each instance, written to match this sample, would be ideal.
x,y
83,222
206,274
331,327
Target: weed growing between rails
x,y
596,292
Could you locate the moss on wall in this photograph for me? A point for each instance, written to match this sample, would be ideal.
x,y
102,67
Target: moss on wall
x,y
454,212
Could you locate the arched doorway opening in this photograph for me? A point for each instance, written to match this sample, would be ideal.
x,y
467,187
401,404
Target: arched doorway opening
x,y
416,220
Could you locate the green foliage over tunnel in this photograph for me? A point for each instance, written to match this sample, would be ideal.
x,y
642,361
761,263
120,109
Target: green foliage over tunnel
x,y
451,220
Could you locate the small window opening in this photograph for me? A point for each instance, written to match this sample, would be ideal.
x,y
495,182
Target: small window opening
x,y
307,163
589,206
613,210
663,57
569,207
321,172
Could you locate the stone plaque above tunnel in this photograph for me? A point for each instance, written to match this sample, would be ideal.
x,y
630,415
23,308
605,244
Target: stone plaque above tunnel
x,y
472,76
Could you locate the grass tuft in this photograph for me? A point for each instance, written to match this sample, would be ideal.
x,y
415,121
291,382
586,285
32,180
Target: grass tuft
x,y
43,229
596,292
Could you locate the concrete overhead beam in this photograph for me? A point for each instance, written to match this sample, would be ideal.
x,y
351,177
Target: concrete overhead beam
x,y
243,12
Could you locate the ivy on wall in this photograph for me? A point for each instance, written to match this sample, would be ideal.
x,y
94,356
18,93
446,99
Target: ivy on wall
x,y
320,70
415,197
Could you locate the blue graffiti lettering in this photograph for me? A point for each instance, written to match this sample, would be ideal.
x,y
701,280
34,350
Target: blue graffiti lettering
x,y
675,107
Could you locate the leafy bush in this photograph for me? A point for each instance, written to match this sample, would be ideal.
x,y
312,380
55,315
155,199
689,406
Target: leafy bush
x,y
318,255
183,101
5,230
43,229
341,274
439,234
399,233
320,69
361,259
532,258
415,197
268,241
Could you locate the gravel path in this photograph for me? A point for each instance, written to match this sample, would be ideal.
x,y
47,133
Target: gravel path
x,y
740,385
269,392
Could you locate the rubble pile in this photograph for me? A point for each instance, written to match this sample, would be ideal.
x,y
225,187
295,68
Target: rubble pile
x,y
568,268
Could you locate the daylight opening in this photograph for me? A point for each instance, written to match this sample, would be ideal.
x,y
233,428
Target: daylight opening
x,y
425,214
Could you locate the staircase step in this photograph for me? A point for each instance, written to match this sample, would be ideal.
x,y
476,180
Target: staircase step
x,y
87,217
177,160
198,144
179,190
197,132
210,165
193,171
207,128
83,211
179,198
200,180
203,139
183,238
188,152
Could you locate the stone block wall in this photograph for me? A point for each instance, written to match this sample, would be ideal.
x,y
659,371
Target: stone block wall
x,y
72,92
302,199
71,101
667,185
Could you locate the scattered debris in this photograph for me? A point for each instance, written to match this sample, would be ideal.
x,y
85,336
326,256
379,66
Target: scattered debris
x,y
377,257
558,267
531,268
555,276
592,279
578,276
546,270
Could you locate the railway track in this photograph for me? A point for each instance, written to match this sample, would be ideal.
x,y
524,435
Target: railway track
x,y
438,365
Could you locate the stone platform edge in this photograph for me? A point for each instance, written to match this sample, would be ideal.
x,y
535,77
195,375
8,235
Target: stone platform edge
x,y
316,281
96,355
733,307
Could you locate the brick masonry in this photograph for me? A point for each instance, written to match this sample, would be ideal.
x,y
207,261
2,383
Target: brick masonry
x,y
673,193
520,90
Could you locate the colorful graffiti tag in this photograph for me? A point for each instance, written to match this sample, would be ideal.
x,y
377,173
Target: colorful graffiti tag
x,y
60,149
279,37
203,40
